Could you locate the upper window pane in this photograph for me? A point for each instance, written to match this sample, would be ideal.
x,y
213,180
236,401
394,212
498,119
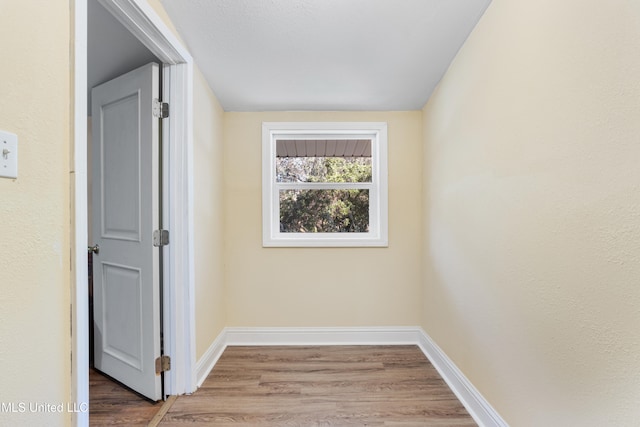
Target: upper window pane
x,y
323,169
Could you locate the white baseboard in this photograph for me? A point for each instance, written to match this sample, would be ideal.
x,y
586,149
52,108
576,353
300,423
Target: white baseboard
x,y
210,358
476,405
481,411
322,336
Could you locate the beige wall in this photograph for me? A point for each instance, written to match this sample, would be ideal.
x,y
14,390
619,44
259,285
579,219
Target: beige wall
x,y
208,216
321,286
35,101
532,201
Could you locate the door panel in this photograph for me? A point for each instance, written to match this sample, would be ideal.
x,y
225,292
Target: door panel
x,y
121,298
121,214
125,180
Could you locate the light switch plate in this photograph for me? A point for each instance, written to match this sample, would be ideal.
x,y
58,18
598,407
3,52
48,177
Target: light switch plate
x,y
8,155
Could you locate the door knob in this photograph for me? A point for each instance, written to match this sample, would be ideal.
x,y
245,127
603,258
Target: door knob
x,y
95,249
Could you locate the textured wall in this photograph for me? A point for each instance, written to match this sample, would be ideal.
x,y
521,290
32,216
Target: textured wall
x,y
532,202
321,286
35,104
208,216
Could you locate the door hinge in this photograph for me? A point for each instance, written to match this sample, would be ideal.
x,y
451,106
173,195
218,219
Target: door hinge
x,y
160,238
163,364
160,109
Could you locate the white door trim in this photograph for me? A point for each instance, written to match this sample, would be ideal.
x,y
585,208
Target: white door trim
x,y
78,182
179,320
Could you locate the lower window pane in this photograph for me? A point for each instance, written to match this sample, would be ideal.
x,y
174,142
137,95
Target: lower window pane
x,y
324,211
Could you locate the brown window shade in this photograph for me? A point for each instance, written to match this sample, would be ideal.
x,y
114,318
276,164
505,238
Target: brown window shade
x,y
323,148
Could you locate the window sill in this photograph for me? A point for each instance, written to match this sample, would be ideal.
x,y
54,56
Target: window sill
x,y
324,240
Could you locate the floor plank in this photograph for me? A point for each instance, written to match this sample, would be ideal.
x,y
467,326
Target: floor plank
x,y
111,404
321,386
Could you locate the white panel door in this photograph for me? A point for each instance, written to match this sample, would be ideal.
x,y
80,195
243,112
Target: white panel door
x,y
125,189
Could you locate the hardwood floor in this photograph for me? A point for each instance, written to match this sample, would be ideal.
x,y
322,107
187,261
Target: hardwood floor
x,y
321,386
111,404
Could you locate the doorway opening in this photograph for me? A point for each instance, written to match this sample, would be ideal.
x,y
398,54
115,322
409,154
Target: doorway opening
x,y
141,23
124,196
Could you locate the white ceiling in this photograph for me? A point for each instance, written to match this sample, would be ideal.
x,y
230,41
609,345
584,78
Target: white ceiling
x,y
260,55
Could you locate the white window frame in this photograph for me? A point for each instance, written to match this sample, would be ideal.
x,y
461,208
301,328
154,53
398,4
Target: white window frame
x,y
377,236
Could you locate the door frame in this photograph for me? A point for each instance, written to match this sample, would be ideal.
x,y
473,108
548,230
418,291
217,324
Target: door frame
x,y
179,299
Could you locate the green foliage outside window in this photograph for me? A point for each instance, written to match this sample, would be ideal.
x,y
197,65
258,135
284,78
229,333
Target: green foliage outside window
x,y
324,210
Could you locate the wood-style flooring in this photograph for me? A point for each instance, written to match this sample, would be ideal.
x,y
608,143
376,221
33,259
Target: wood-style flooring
x,y
320,386
111,404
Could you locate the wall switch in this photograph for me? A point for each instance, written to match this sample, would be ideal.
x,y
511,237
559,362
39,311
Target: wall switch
x,y
8,155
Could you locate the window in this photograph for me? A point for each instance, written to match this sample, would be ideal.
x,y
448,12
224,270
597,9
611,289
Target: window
x,y
324,184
